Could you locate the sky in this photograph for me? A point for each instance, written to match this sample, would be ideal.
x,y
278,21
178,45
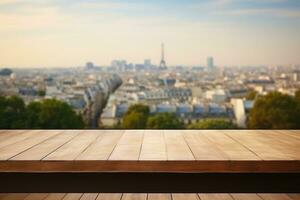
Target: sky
x,y
54,33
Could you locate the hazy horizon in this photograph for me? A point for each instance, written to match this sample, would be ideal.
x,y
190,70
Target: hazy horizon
x,y
65,33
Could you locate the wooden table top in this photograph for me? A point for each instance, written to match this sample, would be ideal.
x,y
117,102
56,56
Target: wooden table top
x,y
149,151
80,196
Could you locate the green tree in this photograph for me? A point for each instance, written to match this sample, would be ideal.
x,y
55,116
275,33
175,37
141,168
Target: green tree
x,y
47,114
164,121
136,117
275,111
251,95
54,114
41,93
140,108
297,95
32,114
213,124
12,112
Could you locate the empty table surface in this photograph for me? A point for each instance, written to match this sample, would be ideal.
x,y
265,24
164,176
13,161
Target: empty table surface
x,y
150,150
129,196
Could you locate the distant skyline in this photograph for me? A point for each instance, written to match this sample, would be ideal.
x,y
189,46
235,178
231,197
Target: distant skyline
x,y
37,33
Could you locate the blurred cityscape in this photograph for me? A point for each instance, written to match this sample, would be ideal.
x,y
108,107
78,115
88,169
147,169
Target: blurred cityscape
x,y
103,94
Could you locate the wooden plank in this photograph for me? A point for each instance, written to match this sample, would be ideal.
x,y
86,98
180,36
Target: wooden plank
x,y
245,197
153,147
284,136
215,197
275,141
131,196
8,139
13,196
177,148
289,141
159,197
36,196
6,134
108,196
261,145
90,196
73,196
274,197
72,149
45,148
202,148
231,148
295,134
57,196
287,137
19,147
129,146
188,166
185,197
294,196
102,148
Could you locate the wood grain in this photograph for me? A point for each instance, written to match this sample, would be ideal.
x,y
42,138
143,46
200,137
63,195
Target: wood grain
x,y
159,197
233,150
274,196
72,149
134,197
153,147
177,148
150,196
203,148
185,197
91,196
246,197
109,196
129,146
149,151
23,145
36,197
45,148
215,197
55,196
72,196
102,147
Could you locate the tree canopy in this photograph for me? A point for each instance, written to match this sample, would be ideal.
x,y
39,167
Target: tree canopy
x,y
140,108
297,95
52,114
46,114
275,111
251,95
12,112
164,121
213,124
136,117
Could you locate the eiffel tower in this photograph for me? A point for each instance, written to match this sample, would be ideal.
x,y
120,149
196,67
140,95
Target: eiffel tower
x,y
162,64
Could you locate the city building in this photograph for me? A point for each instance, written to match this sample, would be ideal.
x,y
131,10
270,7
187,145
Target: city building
x,y
210,63
89,66
241,110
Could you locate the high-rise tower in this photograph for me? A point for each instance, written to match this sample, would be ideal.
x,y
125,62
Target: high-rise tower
x,y
163,64
210,63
